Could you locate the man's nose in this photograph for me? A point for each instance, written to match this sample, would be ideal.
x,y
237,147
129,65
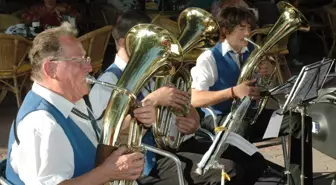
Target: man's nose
x,y
87,67
247,32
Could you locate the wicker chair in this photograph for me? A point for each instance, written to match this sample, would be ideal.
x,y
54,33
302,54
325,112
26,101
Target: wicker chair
x,y
95,44
13,52
7,21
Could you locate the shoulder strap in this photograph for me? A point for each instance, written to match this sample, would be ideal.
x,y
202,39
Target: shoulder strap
x,y
216,52
115,70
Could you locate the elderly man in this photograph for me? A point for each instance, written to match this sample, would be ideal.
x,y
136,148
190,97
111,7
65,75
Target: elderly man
x,y
54,138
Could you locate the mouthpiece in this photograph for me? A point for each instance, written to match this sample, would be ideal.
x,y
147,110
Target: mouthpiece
x,y
91,80
253,43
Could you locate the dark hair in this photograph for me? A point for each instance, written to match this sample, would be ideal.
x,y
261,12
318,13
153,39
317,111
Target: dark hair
x,y
231,17
127,20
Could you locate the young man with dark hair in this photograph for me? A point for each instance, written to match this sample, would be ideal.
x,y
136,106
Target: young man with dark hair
x,y
164,171
216,74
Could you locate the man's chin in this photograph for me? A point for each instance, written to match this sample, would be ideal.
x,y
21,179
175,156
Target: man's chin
x,y
244,43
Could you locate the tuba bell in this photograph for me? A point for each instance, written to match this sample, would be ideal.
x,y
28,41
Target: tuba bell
x,y
151,53
290,20
199,30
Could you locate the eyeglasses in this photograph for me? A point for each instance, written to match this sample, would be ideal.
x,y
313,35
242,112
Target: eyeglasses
x,y
81,60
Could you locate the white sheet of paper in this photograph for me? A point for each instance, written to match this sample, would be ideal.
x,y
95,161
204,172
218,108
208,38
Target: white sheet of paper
x,y
273,127
241,143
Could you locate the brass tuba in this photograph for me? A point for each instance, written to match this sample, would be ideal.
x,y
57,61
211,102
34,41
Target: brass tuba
x,y
151,53
200,30
289,21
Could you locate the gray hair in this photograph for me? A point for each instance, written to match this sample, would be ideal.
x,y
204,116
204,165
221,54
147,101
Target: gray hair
x,y
47,44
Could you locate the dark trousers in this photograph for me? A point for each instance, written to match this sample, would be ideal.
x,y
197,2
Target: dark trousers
x,y
191,152
289,124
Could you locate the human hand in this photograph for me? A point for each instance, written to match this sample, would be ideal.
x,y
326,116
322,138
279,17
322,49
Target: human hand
x,y
186,125
122,165
265,68
169,96
246,89
146,114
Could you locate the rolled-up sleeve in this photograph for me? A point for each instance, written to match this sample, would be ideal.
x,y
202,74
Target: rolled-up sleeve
x,y
204,74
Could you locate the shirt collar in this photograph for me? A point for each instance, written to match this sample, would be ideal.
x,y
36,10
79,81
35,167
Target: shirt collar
x,y
121,64
62,104
226,47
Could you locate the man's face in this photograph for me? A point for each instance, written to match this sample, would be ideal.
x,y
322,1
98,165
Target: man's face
x,y
236,37
72,68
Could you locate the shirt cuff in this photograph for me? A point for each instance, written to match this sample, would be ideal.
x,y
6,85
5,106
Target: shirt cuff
x,y
202,86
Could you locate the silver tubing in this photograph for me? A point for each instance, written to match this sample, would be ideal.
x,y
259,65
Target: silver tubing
x,y
207,132
91,80
303,114
214,116
223,175
169,155
286,160
3,181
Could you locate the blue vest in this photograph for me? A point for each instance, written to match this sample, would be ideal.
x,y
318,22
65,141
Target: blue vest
x,y
148,137
228,74
84,150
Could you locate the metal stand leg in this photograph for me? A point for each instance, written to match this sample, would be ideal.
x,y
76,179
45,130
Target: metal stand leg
x,y
306,148
286,160
223,176
169,155
333,182
303,115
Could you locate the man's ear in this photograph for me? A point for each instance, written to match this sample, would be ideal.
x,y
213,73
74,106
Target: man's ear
x,y
223,33
49,68
121,43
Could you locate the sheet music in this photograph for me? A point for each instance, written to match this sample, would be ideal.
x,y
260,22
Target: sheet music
x,y
274,125
241,143
307,84
303,87
284,88
324,71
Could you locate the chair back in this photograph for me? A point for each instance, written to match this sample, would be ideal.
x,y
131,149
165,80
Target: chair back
x,y
95,44
7,21
13,51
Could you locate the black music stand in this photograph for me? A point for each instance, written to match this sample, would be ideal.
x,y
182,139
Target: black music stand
x,y
302,92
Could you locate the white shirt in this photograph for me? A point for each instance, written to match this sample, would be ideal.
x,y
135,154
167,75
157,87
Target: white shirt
x,y
205,73
45,155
